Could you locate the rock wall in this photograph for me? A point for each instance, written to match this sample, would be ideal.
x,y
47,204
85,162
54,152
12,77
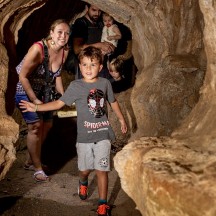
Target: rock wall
x,y
8,127
173,96
177,173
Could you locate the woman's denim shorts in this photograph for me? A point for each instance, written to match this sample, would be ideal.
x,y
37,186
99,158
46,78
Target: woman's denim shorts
x,y
32,117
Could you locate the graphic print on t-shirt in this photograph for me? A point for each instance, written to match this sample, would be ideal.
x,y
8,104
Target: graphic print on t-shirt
x,y
96,103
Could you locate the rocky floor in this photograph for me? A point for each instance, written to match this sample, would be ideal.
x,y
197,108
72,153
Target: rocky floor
x,y
20,195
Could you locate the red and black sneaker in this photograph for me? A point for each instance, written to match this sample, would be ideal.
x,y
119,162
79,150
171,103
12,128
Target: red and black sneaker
x,y
83,191
103,210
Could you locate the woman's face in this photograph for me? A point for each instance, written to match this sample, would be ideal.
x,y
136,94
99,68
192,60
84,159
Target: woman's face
x,y
60,34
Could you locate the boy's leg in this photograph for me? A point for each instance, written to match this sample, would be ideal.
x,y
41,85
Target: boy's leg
x,y
84,175
85,165
83,184
102,167
102,179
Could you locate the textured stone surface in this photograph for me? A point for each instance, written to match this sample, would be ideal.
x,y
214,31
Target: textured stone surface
x,y
173,179
8,137
178,173
174,95
8,127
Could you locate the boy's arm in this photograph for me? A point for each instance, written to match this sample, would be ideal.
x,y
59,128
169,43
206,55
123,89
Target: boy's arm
x,y
30,107
116,109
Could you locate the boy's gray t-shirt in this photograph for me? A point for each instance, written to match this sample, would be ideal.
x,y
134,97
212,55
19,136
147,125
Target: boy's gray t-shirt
x,y
91,105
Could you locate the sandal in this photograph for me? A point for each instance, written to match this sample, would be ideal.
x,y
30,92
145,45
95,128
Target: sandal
x,y
29,167
44,177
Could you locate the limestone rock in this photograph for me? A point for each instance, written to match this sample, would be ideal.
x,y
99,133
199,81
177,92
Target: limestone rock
x,y
174,95
8,137
164,177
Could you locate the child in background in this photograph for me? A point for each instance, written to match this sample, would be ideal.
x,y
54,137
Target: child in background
x,y
116,69
111,32
90,95
120,81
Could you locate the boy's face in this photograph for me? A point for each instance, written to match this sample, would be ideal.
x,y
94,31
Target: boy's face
x,y
107,20
90,69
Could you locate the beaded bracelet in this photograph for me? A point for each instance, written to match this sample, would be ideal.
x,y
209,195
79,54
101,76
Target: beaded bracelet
x,y
36,107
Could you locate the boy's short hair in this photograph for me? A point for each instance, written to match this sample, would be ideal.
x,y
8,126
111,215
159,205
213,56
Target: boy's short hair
x,y
118,65
92,53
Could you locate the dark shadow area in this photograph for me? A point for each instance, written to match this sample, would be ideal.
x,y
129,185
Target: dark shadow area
x,y
7,202
12,75
115,191
92,186
60,145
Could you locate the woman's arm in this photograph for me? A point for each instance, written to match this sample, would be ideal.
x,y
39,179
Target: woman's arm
x,y
33,58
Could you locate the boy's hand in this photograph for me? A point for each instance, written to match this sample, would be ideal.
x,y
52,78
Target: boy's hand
x,y
27,106
123,126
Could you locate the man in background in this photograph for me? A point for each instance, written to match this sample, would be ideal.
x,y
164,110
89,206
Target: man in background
x,y
87,31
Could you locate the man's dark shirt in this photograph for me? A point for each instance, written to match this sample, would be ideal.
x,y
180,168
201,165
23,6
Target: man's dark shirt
x,y
90,32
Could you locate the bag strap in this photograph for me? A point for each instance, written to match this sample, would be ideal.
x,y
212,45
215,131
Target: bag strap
x,y
46,62
47,76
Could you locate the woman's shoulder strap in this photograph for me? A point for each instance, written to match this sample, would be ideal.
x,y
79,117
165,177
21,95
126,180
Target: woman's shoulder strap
x,y
45,48
41,45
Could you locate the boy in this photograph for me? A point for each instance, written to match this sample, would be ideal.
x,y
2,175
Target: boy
x,y
94,130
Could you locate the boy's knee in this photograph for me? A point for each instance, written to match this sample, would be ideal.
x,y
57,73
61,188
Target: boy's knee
x,y
85,172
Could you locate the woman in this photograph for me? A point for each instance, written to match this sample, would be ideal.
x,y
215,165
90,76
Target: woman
x,y
32,81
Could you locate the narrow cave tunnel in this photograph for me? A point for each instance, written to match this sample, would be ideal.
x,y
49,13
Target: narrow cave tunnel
x,y
62,127
170,146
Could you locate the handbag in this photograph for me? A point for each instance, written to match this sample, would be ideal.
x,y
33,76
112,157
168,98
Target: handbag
x,y
50,94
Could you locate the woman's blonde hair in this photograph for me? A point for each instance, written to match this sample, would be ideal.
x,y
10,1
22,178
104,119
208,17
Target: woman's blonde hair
x,y
54,24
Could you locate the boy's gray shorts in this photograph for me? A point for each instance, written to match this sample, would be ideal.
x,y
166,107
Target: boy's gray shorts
x,y
94,155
